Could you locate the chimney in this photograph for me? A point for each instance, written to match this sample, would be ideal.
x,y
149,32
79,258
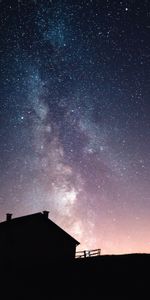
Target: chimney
x,y
46,213
8,217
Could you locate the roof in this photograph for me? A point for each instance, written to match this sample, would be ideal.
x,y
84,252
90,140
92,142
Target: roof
x,y
37,217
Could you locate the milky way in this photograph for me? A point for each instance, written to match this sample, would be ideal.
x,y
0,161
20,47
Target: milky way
x,y
74,118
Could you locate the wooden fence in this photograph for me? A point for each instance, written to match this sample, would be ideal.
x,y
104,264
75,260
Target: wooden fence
x,y
88,253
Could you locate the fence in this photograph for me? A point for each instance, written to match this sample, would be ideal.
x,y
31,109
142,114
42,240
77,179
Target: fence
x,y
88,253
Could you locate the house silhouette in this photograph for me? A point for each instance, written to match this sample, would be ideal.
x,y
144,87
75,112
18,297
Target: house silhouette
x,y
34,238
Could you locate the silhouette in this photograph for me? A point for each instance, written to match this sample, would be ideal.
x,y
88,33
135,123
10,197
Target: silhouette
x,y
37,261
33,239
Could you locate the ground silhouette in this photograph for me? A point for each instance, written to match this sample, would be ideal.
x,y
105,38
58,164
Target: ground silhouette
x,y
103,277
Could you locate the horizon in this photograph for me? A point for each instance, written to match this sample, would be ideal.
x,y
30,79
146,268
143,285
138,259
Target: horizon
x,y
85,246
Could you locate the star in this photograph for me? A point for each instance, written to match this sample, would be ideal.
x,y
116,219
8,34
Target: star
x,y
74,94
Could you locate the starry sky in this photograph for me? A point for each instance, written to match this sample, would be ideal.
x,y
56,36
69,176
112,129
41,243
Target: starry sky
x,y
75,118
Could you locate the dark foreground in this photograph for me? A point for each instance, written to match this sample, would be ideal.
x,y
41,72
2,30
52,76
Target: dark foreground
x,y
103,277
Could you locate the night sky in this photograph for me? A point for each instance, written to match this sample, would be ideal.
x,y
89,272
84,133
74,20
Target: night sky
x,y
75,118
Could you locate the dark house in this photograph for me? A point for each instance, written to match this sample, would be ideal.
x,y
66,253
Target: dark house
x,y
34,238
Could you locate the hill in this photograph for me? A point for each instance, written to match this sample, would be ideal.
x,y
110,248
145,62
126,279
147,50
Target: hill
x,y
103,277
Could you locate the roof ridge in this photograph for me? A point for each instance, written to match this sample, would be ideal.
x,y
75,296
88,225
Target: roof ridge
x,y
39,214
